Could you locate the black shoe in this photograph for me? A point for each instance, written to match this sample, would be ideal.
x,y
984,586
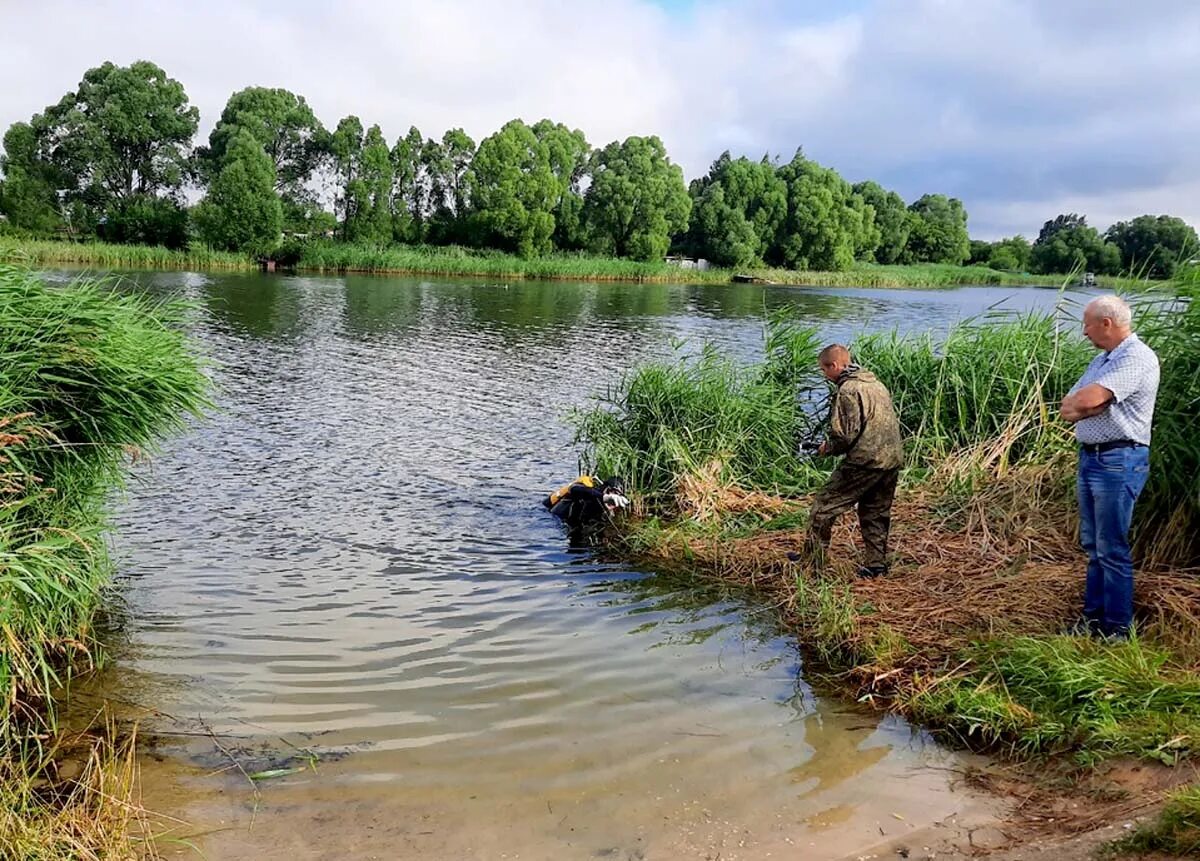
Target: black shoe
x,y
1084,628
869,571
793,556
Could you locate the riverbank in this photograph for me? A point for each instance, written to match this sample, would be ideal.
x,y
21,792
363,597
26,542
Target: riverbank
x,y
89,378
967,635
453,261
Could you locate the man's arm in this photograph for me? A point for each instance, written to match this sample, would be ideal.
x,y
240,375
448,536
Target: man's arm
x,y
1089,401
844,425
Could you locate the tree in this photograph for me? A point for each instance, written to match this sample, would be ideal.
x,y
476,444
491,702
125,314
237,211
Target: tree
x,y
345,149
980,252
145,220
446,165
891,218
285,126
1066,243
827,224
28,198
1154,245
938,231
410,194
1058,223
242,212
636,200
1010,255
369,217
126,131
737,210
569,154
514,191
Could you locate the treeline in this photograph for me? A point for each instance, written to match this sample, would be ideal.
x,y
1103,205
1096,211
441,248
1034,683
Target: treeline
x,y
112,161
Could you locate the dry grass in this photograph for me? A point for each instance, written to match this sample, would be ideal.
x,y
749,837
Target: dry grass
x,y
986,560
76,801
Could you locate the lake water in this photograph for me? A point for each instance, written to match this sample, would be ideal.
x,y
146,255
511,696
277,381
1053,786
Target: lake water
x,y
348,558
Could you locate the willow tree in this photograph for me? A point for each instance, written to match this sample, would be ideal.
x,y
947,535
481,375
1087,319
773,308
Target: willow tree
x,y
636,201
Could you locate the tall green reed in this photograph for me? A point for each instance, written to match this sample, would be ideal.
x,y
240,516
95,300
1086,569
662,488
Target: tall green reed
x,y
88,376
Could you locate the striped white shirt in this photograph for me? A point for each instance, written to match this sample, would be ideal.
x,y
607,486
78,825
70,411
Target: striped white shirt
x,y
1130,371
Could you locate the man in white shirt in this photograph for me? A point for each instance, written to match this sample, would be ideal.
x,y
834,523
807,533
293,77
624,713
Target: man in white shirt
x,y
1111,407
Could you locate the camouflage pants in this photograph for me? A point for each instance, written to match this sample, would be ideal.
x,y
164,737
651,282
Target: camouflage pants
x,y
872,490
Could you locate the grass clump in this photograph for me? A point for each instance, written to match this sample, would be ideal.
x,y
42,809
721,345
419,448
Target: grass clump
x,y
1174,831
88,377
1041,695
103,255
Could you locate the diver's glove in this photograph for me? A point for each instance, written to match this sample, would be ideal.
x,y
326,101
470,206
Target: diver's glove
x,y
614,500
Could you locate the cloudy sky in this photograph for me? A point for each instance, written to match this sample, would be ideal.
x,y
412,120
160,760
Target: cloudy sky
x,y
1022,108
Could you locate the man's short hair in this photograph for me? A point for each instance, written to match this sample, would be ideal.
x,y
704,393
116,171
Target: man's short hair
x,y
1111,307
836,352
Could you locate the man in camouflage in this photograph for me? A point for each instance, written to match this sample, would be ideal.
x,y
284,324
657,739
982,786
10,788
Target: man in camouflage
x,y
864,428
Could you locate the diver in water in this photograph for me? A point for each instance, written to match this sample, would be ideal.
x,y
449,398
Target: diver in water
x,y
586,503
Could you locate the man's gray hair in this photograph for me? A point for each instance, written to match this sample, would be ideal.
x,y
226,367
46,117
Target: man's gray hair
x,y
1112,307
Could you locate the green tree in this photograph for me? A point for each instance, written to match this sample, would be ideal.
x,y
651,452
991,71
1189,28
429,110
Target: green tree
x,y
514,190
1065,221
145,220
891,218
28,198
345,149
827,224
1010,255
126,131
446,164
636,199
1154,245
1066,243
980,252
410,194
282,122
242,212
737,210
938,231
570,154
369,217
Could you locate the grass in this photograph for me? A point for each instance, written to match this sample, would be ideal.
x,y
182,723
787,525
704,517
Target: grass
x,y
88,378
1039,695
101,255
454,261
1174,831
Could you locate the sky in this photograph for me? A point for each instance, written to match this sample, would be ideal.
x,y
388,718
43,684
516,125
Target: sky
x,y
1021,108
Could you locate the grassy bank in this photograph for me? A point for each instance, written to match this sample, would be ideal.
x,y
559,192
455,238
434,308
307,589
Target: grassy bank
x,y
966,634
453,261
101,255
87,378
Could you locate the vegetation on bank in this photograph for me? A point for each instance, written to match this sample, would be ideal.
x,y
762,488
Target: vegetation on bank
x,y
456,261
88,377
967,634
111,160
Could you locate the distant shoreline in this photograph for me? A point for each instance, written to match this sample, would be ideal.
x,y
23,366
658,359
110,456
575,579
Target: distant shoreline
x,y
451,261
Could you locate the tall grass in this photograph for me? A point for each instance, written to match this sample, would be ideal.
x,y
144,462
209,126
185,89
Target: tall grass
x,y
984,395
454,261
87,376
666,420
101,255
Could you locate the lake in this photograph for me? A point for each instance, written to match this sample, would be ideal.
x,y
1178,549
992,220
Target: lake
x,y
345,569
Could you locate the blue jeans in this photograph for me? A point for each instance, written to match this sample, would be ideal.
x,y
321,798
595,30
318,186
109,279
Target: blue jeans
x,y
1108,486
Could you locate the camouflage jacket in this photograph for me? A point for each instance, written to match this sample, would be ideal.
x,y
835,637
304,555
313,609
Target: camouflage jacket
x,y
863,423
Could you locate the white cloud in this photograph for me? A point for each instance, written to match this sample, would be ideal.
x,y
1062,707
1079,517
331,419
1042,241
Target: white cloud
x,y
1021,108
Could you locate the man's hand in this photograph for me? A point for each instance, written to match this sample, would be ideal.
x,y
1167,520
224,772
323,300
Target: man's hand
x,y
1089,401
823,448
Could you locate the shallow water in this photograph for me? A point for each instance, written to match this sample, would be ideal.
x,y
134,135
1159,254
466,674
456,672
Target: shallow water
x,y
348,558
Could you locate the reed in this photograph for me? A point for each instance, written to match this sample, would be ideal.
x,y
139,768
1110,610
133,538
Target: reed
x,y
101,255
